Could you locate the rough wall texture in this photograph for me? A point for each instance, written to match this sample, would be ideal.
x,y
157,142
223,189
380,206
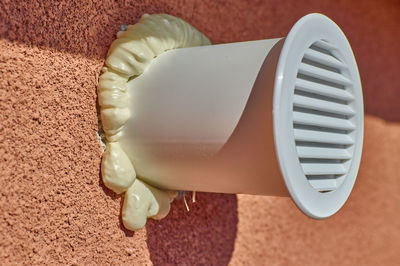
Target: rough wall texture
x,y
54,208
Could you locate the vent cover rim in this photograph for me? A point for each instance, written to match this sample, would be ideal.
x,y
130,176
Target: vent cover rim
x,y
305,32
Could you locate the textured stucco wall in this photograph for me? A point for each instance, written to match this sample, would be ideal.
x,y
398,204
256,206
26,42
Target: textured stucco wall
x,y
53,206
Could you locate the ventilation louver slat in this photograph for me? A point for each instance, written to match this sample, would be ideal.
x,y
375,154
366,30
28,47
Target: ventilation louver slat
x,y
323,90
322,137
322,121
325,45
323,169
322,105
323,74
323,59
323,153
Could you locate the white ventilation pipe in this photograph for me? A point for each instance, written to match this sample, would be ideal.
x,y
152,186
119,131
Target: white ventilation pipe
x,y
271,117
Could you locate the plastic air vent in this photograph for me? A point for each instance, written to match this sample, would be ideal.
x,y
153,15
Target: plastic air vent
x,y
281,117
322,116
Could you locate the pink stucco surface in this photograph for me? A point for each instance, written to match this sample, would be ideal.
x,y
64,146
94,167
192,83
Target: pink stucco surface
x,y
54,207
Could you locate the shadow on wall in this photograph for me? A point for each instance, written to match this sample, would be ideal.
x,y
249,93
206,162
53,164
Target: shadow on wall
x,y
203,236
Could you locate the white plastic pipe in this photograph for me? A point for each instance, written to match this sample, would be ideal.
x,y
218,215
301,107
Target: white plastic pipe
x,y
185,132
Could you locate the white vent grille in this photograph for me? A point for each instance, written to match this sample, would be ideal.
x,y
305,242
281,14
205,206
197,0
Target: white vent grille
x,y
323,115
318,116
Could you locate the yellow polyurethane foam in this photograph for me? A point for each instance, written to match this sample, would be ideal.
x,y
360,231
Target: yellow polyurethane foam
x,y
128,57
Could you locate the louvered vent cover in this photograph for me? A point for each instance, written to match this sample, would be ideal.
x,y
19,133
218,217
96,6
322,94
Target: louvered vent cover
x,y
318,115
322,116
